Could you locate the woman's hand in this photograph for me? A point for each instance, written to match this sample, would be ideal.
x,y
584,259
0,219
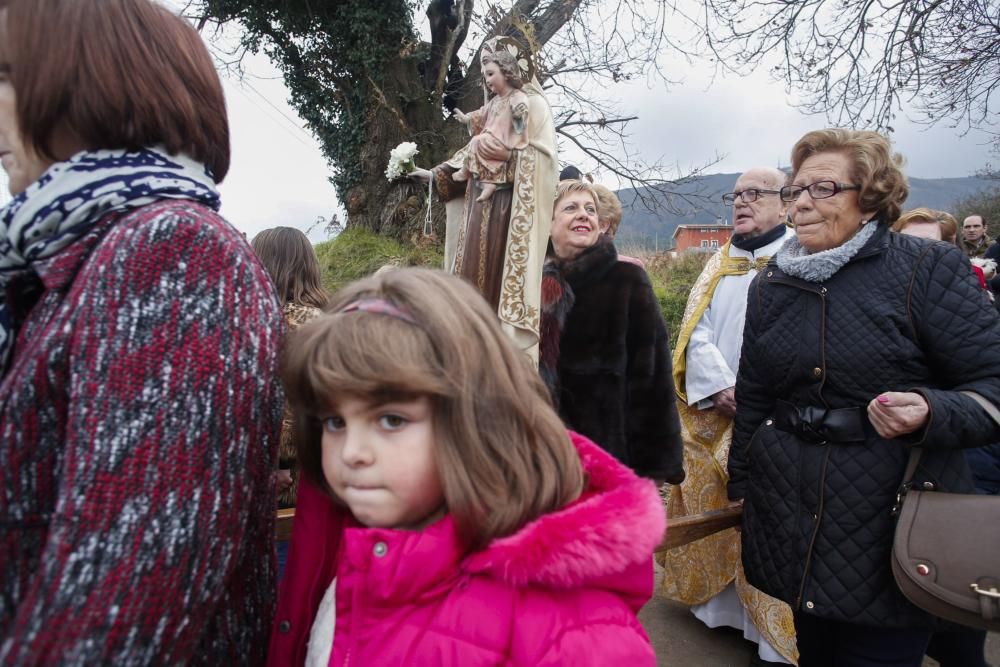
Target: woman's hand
x,y
896,413
422,175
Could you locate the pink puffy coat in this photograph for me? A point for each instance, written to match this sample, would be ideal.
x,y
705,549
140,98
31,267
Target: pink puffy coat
x,y
564,590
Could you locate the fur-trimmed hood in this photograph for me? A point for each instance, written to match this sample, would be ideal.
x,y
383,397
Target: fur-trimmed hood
x,y
583,572
617,522
568,584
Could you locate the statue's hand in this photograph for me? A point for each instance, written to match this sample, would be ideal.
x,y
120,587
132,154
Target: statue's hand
x,y
520,110
462,117
423,175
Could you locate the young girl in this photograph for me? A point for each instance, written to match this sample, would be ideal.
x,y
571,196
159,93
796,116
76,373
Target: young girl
x,y
445,517
503,120
294,269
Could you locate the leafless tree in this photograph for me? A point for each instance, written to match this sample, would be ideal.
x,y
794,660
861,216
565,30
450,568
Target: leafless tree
x,y
582,46
863,62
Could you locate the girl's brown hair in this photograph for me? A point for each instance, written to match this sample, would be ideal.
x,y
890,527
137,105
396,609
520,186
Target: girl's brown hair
x,y
503,455
291,262
113,74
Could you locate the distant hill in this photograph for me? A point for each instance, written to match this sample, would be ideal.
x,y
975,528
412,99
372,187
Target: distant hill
x,y
702,205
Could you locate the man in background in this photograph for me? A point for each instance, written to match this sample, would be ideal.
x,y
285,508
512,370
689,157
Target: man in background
x,y
974,241
707,574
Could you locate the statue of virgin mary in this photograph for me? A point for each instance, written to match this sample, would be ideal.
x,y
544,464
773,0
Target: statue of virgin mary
x,y
499,244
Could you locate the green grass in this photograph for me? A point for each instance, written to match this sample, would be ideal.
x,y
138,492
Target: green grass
x,y
357,253
672,280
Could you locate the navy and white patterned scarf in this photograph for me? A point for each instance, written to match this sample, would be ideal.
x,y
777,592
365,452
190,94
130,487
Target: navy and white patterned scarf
x,y
71,196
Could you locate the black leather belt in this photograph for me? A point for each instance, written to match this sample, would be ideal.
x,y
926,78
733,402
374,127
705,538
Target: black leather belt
x,y
822,425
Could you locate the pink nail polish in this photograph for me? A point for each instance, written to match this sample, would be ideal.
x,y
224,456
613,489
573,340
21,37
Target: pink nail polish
x,y
883,399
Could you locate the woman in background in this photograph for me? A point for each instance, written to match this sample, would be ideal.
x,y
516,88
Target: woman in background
x,y
609,217
605,353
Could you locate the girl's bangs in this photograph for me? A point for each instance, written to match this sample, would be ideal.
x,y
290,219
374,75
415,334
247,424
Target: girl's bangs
x,y
368,355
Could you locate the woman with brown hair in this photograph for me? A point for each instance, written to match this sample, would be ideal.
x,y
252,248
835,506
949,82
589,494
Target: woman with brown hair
x,y
927,223
859,346
139,408
294,269
445,517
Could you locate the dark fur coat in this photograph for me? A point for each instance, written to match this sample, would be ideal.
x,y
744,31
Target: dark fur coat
x,y
605,357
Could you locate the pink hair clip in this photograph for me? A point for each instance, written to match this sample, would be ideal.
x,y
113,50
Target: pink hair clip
x,y
380,306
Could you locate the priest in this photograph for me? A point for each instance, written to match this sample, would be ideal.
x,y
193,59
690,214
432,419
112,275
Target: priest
x,y
707,574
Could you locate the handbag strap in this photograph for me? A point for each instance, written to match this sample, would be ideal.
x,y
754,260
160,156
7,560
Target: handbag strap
x,y
991,409
915,452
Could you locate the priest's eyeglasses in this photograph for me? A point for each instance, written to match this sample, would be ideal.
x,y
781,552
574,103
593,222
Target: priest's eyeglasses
x,y
748,196
817,190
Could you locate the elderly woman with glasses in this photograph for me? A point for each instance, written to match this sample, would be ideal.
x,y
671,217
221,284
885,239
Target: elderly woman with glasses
x,y
858,345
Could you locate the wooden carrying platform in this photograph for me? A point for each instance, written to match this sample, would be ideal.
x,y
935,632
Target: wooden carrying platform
x,y
283,526
685,529
681,530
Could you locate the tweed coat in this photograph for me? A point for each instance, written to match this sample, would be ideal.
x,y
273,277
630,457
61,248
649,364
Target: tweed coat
x,y
905,314
138,430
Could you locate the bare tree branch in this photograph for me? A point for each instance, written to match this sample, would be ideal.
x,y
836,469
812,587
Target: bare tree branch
x,y
862,62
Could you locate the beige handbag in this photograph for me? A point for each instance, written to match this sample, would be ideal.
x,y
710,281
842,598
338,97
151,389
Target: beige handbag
x,y
946,551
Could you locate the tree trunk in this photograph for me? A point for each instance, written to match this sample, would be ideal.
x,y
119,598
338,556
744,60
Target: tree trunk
x,y
402,109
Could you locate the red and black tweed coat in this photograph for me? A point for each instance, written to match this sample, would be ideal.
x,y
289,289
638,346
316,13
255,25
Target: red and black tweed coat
x,y
605,356
139,426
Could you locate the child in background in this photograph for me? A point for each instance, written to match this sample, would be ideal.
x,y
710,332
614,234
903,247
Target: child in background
x,y
291,263
445,516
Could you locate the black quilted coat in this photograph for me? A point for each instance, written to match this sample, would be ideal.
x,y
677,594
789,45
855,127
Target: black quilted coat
x,y
605,356
904,314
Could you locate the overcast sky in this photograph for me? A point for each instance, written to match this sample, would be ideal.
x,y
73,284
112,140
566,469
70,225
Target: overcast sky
x,y
279,177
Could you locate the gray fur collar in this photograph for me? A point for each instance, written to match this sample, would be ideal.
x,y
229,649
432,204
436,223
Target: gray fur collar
x,y
817,267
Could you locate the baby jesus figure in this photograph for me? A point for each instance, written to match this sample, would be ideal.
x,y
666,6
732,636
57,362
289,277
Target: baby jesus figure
x,y
502,121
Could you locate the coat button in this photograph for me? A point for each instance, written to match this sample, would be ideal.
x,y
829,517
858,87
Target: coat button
x,y
770,273
380,549
923,570
284,627
809,605
817,372
768,422
928,486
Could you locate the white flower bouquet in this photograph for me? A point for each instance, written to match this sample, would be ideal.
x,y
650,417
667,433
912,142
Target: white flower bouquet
x,y
401,160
